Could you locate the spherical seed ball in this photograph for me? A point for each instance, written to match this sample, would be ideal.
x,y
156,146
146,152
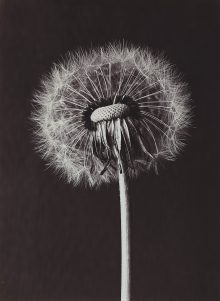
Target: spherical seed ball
x,y
110,104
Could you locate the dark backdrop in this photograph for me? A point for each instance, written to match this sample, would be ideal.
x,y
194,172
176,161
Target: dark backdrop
x,y
59,243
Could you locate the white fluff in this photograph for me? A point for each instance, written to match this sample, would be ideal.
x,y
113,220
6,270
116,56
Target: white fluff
x,y
89,78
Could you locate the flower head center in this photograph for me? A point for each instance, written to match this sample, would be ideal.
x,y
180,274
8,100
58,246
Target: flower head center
x,y
118,110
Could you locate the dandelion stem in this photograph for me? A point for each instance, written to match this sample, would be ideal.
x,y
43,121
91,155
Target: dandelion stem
x,y
125,234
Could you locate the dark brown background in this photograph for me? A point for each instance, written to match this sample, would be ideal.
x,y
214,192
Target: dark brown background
x,y
58,243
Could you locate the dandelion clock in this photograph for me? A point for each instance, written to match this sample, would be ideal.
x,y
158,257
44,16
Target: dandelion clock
x,y
107,115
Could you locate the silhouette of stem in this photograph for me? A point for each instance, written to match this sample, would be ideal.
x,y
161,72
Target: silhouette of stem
x,y
125,234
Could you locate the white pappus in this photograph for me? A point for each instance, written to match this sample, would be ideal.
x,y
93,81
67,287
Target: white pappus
x,y
109,104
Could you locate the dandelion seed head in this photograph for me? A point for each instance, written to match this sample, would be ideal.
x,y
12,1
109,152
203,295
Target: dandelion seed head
x,y
110,104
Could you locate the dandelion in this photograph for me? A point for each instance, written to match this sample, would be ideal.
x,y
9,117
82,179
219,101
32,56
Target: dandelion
x,y
109,114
